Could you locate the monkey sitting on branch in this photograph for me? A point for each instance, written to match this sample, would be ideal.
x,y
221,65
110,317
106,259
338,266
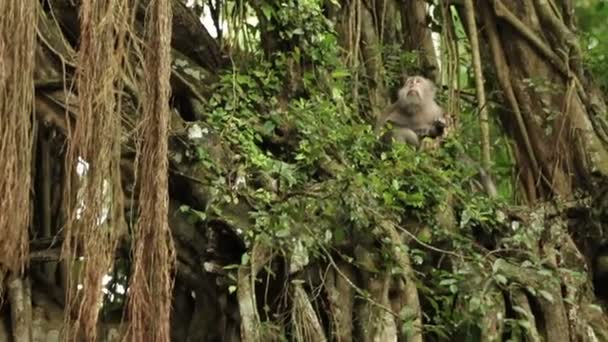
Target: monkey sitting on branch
x,y
416,115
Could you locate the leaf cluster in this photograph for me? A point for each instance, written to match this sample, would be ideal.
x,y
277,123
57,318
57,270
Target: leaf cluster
x,y
592,16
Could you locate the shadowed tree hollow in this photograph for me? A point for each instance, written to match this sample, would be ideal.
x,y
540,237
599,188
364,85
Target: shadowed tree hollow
x,y
208,171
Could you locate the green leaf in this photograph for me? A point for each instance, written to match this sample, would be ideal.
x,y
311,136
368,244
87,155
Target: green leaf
x,y
244,79
339,235
524,324
267,11
245,259
500,279
520,310
283,233
340,73
395,184
449,281
269,127
475,303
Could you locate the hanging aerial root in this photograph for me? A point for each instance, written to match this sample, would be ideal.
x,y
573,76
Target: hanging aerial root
x,y
479,85
250,319
305,322
93,191
409,292
523,312
376,320
341,296
17,46
150,290
504,79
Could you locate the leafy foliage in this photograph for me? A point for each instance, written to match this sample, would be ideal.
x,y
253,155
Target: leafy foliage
x,y
333,184
592,16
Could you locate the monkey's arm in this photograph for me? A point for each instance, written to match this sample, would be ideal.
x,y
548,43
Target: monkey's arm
x,y
435,122
404,135
437,127
397,132
383,118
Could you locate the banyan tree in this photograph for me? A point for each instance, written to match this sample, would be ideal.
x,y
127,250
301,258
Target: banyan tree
x,y
207,171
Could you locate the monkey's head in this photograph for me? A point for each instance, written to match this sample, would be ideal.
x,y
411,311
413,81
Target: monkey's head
x,y
416,91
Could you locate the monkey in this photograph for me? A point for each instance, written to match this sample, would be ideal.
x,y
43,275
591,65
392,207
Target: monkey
x,y
414,115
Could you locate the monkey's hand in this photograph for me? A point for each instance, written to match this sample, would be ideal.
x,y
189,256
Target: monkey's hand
x,y
439,124
434,130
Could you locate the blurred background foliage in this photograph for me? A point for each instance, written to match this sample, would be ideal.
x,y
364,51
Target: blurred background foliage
x,y
592,22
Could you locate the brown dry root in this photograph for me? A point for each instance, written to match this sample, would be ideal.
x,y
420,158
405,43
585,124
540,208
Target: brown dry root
x,y
489,311
17,43
406,290
153,250
550,302
553,318
36,314
492,323
306,324
401,295
523,311
376,319
250,319
392,310
390,303
340,294
481,301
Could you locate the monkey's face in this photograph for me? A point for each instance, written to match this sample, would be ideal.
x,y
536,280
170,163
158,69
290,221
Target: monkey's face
x,y
416,90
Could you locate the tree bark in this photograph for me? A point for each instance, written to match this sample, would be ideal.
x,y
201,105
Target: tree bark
x,y
418,37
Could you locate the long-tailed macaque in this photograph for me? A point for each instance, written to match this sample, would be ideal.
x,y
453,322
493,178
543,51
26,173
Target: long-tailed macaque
x,y
414,115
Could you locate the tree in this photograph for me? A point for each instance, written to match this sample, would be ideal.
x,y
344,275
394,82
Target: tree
x,y
168,180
